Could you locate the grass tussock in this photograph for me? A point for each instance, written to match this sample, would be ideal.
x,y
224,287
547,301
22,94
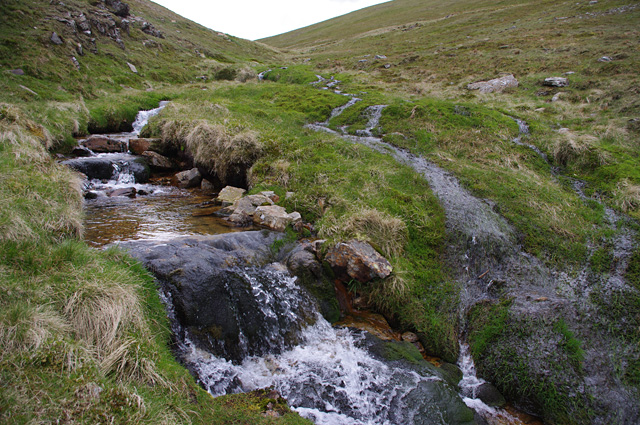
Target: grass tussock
x,y
387,233
222,150
578,150
627,196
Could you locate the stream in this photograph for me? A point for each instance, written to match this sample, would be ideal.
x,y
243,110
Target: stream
x,y
158,210
329,375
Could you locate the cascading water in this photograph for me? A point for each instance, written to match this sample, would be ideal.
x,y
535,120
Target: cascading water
x,y
330,376
143,117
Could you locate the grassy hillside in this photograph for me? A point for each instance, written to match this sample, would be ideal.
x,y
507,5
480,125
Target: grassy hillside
x,y
163,47
425,53
436,48
84,336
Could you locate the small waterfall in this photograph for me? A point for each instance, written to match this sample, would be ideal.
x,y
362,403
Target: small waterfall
x,y
375,113
328,376
263,73
143,117
523,131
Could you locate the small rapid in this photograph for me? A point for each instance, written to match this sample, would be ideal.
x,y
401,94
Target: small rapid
x,y
331,376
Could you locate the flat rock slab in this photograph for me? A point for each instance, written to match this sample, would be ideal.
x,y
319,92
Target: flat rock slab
x,y
230,195
103,144
497,85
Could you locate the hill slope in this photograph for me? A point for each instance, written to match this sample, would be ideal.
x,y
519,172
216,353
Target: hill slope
x,y
102,47
570,187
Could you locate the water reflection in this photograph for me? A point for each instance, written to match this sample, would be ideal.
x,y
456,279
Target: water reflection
x,y
156,216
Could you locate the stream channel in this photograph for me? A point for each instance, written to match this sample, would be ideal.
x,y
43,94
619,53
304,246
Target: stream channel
x,y
330,375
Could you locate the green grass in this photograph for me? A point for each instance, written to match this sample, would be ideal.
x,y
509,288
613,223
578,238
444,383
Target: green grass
x,y
84,336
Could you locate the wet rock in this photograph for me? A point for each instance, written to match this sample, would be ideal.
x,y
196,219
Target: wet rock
x,y
55,39
93,168
127,191
433,401
157,161
373,323
103,144
207,186
211,289
81,151
189,178
490,395
90,195
497,85
274,217
139,146
357,260
556,82
230,195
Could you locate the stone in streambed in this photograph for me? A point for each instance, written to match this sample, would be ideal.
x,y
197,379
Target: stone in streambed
x,y
187,179
490,395
274,217
138,146
103,144
93,168
229,195
357,260
157,161
127,191
244,209
81,151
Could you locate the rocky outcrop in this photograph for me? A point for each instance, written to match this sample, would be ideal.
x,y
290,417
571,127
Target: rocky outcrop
x,y
497,85
118,8
556,82
103,144
357,260
213,291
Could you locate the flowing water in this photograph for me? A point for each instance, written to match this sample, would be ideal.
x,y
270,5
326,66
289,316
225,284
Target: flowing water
x,y
158,211
466,215
330,376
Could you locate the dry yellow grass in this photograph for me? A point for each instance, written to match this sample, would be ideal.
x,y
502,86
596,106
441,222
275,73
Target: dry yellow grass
x,y
386,233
